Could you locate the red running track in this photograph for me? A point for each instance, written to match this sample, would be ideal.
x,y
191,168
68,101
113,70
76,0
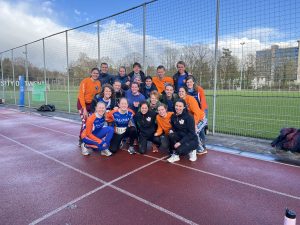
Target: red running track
x,y
45,180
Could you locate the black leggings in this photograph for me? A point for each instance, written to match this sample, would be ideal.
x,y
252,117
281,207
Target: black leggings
x,y
117,138
185,148
143,142
161,141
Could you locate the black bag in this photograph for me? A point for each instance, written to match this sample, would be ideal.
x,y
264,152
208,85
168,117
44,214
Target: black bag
x,y
46,108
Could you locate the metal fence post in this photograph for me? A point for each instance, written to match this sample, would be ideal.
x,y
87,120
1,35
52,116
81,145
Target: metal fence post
x,y
216,64
144,38
27,76
68,72
2,79
98,34
13,73
45,72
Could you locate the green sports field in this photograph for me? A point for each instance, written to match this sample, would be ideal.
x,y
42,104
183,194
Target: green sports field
x,y
247,113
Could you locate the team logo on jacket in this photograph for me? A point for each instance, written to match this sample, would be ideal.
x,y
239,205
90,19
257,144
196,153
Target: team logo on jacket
x,y
148,119
181,121
96,88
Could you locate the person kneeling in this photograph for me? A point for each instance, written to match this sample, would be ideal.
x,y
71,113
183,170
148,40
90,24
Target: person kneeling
x,y
182,137
96,134
145,121
123,126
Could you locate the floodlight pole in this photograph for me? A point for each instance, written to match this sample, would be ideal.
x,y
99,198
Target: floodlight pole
x,y
242,64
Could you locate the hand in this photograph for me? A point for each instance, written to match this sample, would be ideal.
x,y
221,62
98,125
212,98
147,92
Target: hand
x,y
155,134
127,83
171,132
85,113
116,107
177,145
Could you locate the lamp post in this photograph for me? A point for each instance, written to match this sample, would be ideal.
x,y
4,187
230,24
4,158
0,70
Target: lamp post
x,y
242,66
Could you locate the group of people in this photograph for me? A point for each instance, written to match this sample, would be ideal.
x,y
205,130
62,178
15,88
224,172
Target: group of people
x,y
124,110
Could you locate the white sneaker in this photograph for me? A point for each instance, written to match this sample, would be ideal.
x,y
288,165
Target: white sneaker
x,y
193,156
106,152
173,158
84,150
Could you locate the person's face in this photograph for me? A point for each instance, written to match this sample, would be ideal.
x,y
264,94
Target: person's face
x,y
122,72
123,105
136,69
95,74
104,68
180,68
100,109
181,93
148,82
138,80
144,109
117,86
162,111
161,73
107,93
134,88
189,83
169,91
153,99
179,107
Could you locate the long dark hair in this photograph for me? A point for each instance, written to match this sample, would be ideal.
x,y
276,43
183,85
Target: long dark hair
x,y
111,89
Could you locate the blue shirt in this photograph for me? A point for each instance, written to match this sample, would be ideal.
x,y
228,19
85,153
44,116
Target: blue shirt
x,y
134,98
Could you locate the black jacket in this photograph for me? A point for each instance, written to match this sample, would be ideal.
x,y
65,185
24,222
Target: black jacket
x,y
146,92
105,78
163,99
97,99
143,76
146,124
184,126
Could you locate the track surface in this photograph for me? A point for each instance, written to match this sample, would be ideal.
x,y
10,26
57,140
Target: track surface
x,y
45,180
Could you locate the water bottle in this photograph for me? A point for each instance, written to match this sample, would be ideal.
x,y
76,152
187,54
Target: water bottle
x,y
290,217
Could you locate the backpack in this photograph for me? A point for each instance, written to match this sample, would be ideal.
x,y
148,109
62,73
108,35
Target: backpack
x,y
288,140
46,108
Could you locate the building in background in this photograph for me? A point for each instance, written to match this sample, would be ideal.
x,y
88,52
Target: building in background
x,y
278,66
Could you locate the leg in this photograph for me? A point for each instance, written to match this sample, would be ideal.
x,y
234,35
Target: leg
x,y
132,134
142,144
115,142
106,134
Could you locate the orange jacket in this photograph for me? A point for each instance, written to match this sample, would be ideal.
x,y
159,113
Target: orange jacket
x,y
194,109
87,90
164,124
160,83
87,132
202,97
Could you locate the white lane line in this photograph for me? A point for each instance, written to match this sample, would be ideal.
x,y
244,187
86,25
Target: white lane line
x,y
101,187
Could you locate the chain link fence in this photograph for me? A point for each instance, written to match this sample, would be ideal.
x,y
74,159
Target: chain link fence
x,y
252,78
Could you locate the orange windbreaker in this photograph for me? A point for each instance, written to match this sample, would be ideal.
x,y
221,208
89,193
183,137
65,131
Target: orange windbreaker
x,y
164,123
87,90
87,132
194,109
203,98
160,83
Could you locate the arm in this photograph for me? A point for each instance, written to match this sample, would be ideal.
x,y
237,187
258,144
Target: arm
x,y
190,124
159,129
89,129
203,98
196,111
81,94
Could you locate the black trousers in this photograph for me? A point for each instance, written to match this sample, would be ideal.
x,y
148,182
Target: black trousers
x,y
117,138
161,141
143,142
185,148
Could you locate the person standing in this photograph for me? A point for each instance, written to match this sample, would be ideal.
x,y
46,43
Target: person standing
x,y
104,76
179,78
137,72
123,78
160,80
88,88
168,97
